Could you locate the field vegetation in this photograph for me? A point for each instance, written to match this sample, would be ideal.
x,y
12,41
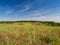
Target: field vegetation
x,y
29,33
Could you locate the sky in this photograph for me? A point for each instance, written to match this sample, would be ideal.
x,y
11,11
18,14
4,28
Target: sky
x,y
39,10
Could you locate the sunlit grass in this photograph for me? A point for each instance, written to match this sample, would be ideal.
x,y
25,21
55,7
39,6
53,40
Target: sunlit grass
x,y
28,33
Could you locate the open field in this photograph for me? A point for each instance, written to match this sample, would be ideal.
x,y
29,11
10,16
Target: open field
x,y
29,33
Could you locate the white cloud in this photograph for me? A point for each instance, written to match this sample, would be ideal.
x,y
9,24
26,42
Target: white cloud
x,y
44,15
42,18
8,11
25,8
39,15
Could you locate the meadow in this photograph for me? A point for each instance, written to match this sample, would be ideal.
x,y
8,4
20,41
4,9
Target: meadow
x,y
29,33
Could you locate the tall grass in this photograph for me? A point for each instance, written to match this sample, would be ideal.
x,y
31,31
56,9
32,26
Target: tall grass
x,y
28,33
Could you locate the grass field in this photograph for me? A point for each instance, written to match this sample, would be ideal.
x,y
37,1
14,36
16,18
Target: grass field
x,y
28,33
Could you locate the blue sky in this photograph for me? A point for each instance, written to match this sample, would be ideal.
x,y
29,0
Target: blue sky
x,y
40,10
